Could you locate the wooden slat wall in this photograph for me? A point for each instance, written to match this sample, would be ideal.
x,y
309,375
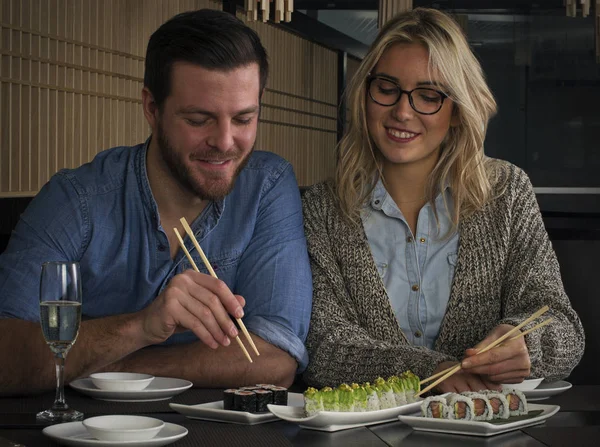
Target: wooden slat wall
x,y
389,8
300,105
71,73
353,64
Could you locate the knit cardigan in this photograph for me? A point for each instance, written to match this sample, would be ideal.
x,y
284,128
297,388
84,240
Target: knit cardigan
x,y
505,271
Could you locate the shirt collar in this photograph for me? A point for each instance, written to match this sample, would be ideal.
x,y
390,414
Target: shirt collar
x,y
144,183
380,195
202,225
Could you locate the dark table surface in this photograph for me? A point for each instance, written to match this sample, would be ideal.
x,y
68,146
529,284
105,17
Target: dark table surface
x,y
577,424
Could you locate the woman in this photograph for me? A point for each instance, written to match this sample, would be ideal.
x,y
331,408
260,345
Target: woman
x,y
422,248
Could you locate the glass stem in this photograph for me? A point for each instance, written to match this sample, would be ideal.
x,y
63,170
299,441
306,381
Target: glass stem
x,y
59,399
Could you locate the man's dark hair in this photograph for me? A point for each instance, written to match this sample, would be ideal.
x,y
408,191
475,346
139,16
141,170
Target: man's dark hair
x,y
213,39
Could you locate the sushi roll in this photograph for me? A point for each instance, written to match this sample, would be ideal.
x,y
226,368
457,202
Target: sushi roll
x,y
245,401
360,398
460,407
345,397
385,394
517,403
330,399
228,396
412,385
265,386
249,388
482,409
313,401
398,389
372,397
434,407
280,395
500,408
263,398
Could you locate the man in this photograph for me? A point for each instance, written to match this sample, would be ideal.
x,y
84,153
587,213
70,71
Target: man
x,y
204,76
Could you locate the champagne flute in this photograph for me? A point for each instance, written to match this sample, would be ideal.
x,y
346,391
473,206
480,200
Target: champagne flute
x,y
60,316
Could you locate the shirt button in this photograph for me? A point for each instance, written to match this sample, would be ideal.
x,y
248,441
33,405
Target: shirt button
x,y
422,240
415,287
162,248
377,202
418,334
409,239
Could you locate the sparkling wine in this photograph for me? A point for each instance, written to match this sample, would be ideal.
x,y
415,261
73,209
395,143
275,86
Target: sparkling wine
x,y
60,324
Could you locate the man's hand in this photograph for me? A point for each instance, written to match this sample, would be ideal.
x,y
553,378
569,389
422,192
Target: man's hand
x,y
197,302
462,381
506,363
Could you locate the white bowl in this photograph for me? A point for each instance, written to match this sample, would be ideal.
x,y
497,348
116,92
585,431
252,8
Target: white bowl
x,y
123,427
121,381
525,385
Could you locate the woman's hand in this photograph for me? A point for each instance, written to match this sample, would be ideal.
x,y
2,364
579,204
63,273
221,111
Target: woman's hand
x,y
506,363
462,381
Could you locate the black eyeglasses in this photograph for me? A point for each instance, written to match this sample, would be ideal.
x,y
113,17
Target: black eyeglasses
x,y
385,92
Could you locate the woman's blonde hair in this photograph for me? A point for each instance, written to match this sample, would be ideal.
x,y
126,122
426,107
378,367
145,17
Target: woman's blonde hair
x,y
462,164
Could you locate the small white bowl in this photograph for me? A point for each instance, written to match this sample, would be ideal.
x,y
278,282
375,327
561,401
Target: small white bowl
x,y
123,427
121,381
525,385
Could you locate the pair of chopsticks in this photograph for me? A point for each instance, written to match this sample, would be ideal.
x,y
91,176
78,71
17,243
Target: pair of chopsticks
x,y
190,234
453,369
537,326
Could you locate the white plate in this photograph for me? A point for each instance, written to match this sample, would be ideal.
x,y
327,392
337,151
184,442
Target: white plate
x,y
213,411
161,388
546,390
74,433
477,428
525,385
338,420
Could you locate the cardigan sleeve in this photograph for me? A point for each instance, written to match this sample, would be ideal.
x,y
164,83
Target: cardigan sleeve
x,y
533,280
351,338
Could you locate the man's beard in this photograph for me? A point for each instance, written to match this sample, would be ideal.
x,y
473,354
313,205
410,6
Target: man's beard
x,y
214,188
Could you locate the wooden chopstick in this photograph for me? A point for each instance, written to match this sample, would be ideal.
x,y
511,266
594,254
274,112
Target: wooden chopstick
x,y
522,334
487,348
187,253
190,233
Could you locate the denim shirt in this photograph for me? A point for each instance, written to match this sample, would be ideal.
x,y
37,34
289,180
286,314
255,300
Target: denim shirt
x,y
104,216
417,270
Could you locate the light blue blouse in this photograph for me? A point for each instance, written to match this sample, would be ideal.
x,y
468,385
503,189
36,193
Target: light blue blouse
x,y
417,270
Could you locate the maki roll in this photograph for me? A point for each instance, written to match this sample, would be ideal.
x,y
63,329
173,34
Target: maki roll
x,y
460,407
372,397
500,408
250,388
360,398
228,396
313,401
265,386
434,407
345,397
280,395
412,385
330,399
482,409
398,390
263,398
517,403
245,401
385,394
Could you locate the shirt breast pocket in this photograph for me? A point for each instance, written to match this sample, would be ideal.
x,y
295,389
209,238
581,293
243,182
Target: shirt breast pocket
x,y
382,268
452,259
224,265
